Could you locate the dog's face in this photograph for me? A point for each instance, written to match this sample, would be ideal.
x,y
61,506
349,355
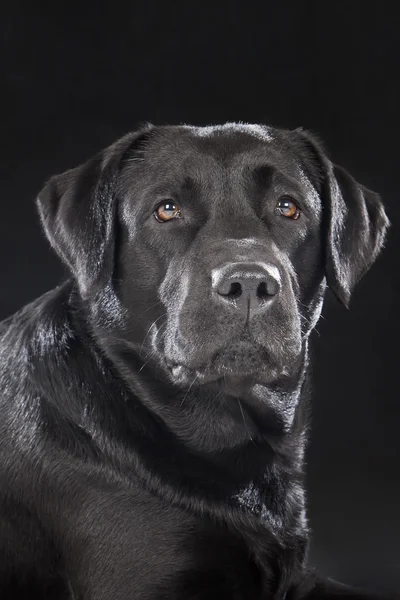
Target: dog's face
x,y
207,250
221,254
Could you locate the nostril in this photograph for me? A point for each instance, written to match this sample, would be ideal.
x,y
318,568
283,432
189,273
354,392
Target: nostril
x,y
262,292
235,290
267,289
232,290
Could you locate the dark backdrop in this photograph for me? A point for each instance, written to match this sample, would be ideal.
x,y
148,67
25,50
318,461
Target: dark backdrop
x,y
76,78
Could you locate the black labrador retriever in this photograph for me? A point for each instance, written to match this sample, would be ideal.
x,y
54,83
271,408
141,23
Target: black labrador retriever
x,y
154,406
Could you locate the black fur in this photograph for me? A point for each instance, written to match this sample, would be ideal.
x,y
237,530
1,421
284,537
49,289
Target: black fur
x,y
152,434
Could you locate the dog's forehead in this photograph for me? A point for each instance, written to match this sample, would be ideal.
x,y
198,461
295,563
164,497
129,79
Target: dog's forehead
x,y
223,142
214,156
229,146
261,132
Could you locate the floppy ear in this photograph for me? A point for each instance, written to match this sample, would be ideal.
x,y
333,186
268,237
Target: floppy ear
x,y
355,223
77,210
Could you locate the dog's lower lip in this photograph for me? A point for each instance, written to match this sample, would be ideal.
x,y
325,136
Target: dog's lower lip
x,y
200,373
204,374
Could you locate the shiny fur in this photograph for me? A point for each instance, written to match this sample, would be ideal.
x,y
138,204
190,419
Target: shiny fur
x,y
151,435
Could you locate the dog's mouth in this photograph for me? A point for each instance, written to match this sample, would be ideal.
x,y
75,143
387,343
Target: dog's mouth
x,y
236,365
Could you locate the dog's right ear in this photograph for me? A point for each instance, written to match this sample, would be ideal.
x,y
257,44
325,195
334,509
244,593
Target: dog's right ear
x,y
77,210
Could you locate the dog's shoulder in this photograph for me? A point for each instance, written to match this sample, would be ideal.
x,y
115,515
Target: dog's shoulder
x,y
36,345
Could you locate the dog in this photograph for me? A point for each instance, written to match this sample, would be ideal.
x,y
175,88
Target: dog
x,y
154,406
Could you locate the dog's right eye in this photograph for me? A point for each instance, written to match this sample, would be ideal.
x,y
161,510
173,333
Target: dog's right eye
x,y
166,211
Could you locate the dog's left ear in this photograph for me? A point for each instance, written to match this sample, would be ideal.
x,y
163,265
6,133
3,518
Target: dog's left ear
x,y
77,210
354,220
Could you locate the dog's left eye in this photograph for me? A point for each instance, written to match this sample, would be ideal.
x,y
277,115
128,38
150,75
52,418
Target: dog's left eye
x,y
166,211
287,207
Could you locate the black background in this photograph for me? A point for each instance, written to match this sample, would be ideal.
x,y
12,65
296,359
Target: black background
x,y
78,76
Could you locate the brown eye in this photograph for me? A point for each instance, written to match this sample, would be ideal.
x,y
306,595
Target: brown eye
x,y
287,207
166,211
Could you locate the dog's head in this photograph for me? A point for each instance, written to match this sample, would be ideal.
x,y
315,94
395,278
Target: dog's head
x,y
207,250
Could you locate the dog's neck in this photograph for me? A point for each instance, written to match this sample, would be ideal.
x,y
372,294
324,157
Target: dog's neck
x,y
259,477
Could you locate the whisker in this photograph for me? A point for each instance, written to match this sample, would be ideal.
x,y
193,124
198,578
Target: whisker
x,y
152,306
148,331
190,387
152,352
244,420
218,395
147,361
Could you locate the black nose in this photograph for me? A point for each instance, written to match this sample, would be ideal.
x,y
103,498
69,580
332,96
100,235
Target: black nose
x,y
248,286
